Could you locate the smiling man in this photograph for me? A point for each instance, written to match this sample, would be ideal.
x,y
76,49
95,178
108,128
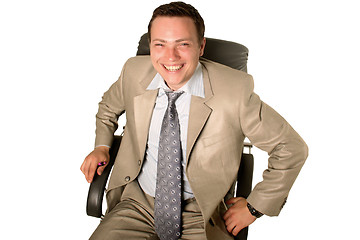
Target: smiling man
x,y
186,122
175,49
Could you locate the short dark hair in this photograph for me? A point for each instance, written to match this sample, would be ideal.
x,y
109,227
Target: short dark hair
x,y
179,9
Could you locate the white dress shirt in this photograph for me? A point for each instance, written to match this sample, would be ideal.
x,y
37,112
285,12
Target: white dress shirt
x,y
195,86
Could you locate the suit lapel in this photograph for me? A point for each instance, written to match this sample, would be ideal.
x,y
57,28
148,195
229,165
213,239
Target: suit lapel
x,y
143,109
199,114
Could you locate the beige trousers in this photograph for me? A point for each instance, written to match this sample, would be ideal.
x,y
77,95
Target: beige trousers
x,y
133,218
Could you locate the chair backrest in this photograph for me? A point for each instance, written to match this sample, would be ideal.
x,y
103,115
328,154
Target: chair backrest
x,y
231,54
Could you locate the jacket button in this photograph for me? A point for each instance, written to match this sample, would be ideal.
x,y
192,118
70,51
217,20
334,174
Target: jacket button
x,y
127,178
139,162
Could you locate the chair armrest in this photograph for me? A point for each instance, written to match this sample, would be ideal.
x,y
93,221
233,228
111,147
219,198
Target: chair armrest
x,y
97,186
244,183
245,175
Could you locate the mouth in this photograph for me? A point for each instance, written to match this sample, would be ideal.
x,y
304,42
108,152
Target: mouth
x,y
173,68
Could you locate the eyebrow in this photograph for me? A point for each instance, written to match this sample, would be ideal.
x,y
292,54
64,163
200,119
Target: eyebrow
x,y
177,41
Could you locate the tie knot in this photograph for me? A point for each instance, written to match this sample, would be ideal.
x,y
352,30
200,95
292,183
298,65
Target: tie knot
x,y
172,96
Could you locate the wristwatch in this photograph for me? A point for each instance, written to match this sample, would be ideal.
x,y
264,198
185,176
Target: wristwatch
x,y
253,211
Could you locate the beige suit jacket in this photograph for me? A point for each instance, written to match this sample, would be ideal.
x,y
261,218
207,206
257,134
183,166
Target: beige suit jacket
x,y
218,125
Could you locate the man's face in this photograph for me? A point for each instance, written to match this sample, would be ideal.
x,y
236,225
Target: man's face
x,y
175,49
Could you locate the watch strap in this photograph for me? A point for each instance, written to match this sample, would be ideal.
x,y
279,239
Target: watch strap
x,y
253,211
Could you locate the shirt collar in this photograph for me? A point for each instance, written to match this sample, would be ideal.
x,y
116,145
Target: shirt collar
x,y
195,86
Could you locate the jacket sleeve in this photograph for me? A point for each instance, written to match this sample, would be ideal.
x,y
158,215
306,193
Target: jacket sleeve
x,y
111,107
267,130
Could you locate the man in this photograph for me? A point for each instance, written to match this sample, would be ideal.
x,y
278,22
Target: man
x,y
216,109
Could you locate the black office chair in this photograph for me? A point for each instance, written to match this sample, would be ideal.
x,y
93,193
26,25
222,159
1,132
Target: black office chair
x,y
228,53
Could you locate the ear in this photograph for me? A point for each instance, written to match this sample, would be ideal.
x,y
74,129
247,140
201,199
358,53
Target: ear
x,y
202,46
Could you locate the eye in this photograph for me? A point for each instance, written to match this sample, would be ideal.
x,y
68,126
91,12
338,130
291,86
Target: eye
x,y
159,44
184,44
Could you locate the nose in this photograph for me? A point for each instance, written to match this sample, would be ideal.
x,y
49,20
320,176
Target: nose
x,y
172,54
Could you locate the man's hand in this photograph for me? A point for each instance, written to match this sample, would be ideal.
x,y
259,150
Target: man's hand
x,y
99,155
238,215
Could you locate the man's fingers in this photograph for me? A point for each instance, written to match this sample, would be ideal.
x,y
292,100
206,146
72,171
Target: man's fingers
x,y
82,166
98,157
233,226
233,200
101,167
237,216
236,230
91,171
85,168
228,214
229,225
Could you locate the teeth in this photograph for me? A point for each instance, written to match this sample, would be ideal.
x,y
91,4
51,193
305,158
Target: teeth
x,y
173,68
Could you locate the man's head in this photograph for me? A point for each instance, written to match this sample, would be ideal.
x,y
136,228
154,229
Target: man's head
x,y
176,38
179,9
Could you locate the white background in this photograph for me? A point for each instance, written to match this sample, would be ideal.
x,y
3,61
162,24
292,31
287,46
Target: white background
x,y
58,57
